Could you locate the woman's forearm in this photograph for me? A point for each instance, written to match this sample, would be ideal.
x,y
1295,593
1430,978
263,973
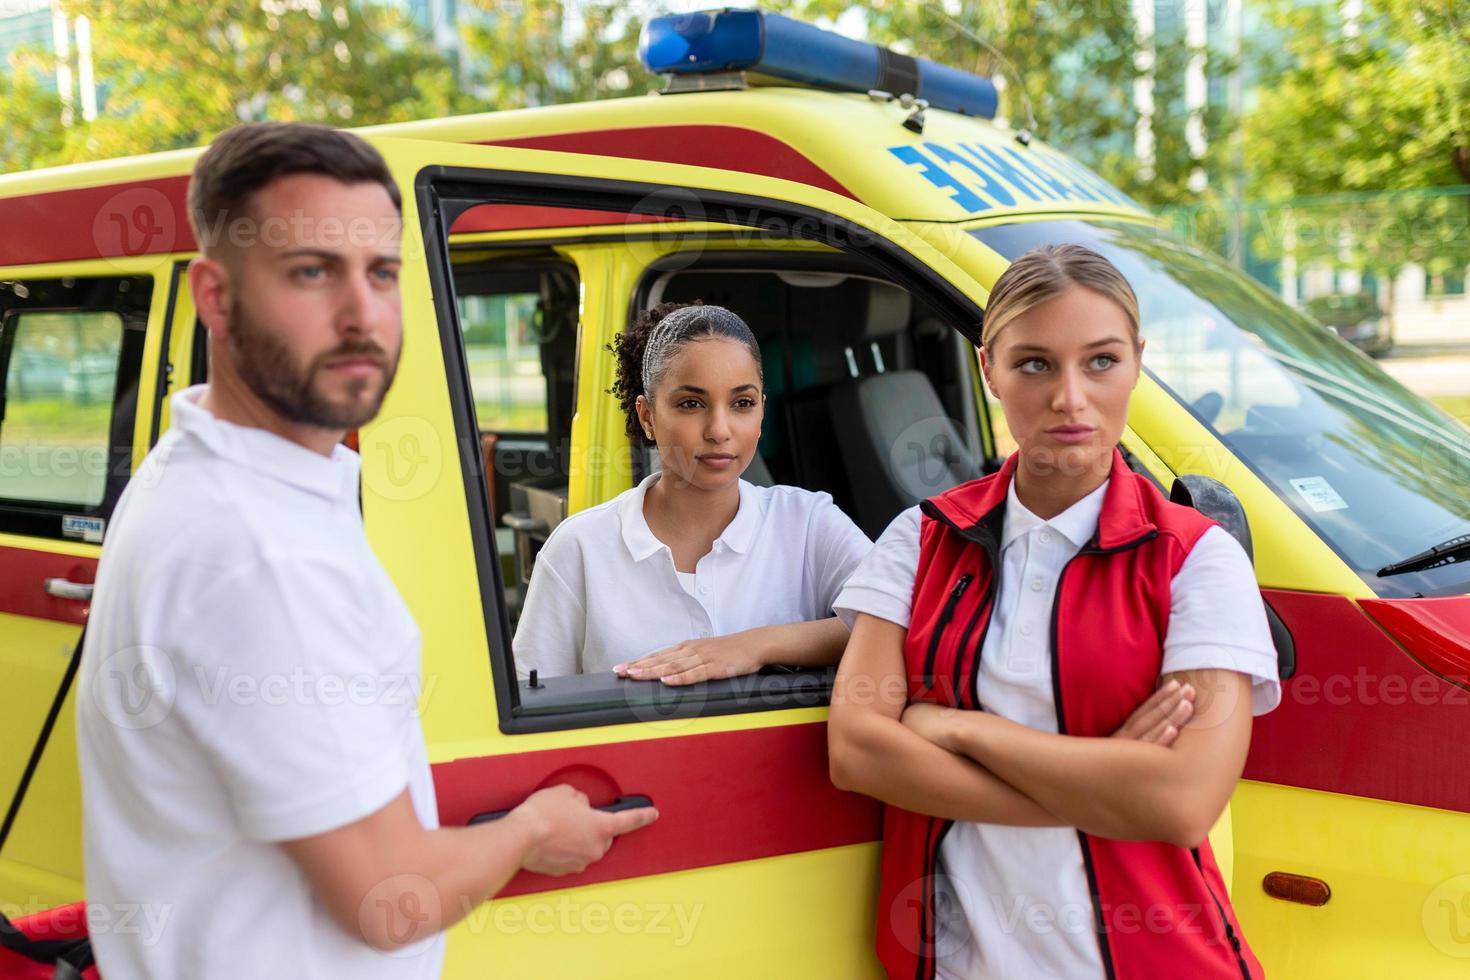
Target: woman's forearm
x,y
1112,787
817,643
876,755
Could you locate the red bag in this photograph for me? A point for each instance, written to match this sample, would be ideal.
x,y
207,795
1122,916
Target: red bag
x,y
49,945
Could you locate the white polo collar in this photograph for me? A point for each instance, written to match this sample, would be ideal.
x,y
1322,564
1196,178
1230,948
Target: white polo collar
x,y
641,542
1077,523
267,453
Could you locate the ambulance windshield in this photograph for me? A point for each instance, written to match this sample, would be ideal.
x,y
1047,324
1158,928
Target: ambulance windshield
x,y
1377,471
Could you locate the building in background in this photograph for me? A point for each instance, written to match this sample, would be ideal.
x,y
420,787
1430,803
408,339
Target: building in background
x,y
1223,72
439,20
41,25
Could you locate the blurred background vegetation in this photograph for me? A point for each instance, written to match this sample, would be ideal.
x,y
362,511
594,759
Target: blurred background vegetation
x,y
1323,146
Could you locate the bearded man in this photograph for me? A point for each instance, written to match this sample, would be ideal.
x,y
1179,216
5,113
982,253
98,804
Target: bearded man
x,y
260,829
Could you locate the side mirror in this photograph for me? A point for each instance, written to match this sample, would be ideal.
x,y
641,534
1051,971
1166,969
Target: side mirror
x,y
1218,502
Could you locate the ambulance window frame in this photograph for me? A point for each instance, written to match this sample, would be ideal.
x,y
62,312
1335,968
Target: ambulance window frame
x,y
443,193
29,517
539,265
163,388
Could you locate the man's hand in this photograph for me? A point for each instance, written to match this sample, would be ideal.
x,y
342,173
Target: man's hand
x,y
697,660
568,833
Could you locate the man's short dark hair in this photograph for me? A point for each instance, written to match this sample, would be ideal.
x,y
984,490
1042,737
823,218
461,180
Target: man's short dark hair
x,y
244,159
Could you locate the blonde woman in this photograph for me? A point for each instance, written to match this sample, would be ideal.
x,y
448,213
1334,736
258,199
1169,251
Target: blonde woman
x,y
1076,661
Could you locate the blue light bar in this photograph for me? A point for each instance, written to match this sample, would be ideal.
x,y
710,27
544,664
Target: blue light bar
x,y
733,39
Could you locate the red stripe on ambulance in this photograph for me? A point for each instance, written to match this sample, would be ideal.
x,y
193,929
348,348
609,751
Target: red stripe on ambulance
x,y
1357,709
722,797
23,585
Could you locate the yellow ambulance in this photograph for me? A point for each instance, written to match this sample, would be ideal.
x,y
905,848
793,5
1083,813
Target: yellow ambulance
x,y
855,219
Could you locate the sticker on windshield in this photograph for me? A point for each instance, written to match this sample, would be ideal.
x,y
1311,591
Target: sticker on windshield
x,y
87,528
1318,494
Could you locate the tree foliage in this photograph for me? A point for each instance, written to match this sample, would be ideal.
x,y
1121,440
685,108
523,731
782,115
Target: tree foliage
x,y
175,74
1074,62
1370,116
549,52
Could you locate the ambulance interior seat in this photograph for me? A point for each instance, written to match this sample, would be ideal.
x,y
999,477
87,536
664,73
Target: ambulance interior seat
x,y
898,444
833,338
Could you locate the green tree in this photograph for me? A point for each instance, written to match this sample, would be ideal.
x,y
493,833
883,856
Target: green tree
x,y
176,74
30,114
1076,59
1371,117
1077,63
549,52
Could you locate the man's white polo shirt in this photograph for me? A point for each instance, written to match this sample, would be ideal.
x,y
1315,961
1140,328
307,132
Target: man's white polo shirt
x,y
605,590
250,676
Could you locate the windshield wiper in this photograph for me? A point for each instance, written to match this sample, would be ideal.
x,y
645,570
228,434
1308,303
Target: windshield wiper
x,y
1445,553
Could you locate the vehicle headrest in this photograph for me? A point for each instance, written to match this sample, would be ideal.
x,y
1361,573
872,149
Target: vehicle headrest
x,y
887,313
884,313
860,311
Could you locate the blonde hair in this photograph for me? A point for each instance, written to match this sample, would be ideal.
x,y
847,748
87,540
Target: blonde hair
x,y
1045,273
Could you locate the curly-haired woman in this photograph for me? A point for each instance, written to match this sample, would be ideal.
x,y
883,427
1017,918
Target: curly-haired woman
x,y
694,574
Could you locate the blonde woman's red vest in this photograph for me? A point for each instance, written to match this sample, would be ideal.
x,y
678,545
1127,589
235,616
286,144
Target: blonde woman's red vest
x,y
1158,910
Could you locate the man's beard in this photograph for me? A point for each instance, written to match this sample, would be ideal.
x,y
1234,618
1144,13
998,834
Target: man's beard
x,y
267,367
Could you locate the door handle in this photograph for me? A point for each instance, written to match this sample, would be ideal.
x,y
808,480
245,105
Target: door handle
x,y
622,803
65,589
523,523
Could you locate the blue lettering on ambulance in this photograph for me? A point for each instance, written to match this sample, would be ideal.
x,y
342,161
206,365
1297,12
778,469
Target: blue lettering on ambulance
x,y
1007,172
941,178
1047,179
1083,177
1065,188
992,187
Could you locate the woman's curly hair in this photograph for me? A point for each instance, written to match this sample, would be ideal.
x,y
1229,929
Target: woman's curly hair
x,y
639,370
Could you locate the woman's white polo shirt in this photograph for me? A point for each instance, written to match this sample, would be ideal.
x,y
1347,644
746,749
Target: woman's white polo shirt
x,y
605,590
